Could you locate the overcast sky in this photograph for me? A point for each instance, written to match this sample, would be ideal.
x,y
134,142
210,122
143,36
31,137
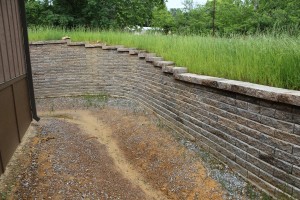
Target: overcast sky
x,y
178,3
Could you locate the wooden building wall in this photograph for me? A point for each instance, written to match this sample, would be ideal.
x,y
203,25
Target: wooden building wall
x,y
15,107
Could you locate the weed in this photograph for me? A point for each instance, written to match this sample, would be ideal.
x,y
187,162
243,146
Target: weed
x,y
266,197
62,116
251,193
93,100
159,123
3,195
102,97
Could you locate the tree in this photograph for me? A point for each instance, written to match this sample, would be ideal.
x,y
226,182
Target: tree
x,y
34,11
162,18
188,5
224,17
93,13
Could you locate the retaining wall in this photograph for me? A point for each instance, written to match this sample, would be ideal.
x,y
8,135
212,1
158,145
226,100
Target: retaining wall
x,y
254,129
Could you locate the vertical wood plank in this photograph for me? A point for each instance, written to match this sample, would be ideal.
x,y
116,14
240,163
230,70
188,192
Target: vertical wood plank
x,y
8,40
8,131
11,13
1,165
17,36
20,39
4,53
15,108
22,106
1,66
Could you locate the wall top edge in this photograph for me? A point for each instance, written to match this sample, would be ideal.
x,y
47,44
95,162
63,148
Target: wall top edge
x,y
49,42
246,88
180,73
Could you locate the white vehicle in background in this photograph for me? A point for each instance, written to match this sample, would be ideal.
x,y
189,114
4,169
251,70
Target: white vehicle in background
x,y
143,30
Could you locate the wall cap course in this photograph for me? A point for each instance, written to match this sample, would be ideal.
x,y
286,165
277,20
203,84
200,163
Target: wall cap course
x,y
145,54
136,51
49,42
115,47
76,43
153,59
249,89
163,63
99,45
125,49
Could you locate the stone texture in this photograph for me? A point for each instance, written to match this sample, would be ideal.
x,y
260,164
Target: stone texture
x,y
227,118
49,42
122,49
290,158
179,70
296,193
297,129
255,90
290,97
98,45
163,63
296,150
153,59
145,54
115,47
136,52
291,138
167,69
76,44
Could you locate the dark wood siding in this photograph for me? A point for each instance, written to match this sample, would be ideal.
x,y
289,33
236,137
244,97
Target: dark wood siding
x,y
1,165
15,107
12,56
23,112
9,131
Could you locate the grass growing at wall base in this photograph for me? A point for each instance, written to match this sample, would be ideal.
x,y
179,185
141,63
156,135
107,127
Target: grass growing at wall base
x,y
267,60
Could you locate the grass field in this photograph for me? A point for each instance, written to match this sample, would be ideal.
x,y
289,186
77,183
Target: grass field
x,y
267,60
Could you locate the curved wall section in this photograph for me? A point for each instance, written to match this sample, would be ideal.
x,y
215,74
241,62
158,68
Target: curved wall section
x,y
254,129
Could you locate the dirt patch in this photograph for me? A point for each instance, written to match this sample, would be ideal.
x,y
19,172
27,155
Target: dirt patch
x,y
107,154
166,164
103,133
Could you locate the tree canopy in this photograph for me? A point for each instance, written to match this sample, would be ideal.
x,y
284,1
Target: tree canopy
x,y
91,13
225,16
232,17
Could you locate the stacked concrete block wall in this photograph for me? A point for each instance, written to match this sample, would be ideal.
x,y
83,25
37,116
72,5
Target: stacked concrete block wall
x,y
253,129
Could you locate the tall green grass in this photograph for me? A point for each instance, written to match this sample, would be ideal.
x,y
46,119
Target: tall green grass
x,y
268,60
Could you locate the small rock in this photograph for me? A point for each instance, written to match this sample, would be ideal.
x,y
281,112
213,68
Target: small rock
x,y
65,38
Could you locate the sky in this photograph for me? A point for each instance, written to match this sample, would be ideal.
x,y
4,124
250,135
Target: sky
x,y
178,3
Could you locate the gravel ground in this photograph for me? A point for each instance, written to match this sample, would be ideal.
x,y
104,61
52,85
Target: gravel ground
x,y
96,147
66,163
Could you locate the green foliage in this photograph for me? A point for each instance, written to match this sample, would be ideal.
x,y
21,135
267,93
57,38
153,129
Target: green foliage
x,y
263,59
91,13
232,16
236,17
163,19
96,100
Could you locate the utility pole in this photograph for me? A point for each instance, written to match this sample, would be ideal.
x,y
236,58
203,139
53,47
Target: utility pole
x,y
214,18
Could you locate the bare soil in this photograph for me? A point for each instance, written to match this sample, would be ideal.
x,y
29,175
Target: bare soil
x,y
105,153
